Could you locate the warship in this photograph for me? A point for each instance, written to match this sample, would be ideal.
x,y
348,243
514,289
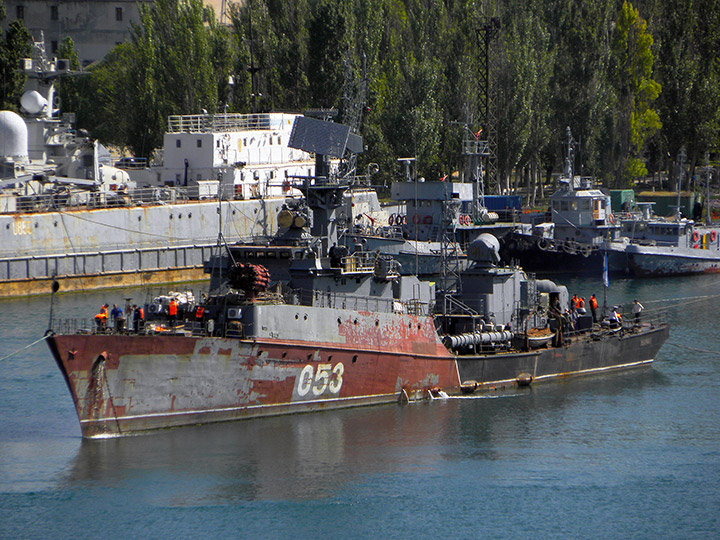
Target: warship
x,y
346,330
69,213
435,220
584,236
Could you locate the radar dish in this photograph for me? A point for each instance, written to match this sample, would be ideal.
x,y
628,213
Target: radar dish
x,y
325,138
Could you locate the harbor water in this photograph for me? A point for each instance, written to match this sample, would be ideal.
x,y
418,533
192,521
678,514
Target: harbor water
x,y
632,455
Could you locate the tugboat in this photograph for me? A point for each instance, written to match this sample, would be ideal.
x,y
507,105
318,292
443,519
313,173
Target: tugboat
x,y
580,225
346,331
654,246
583,233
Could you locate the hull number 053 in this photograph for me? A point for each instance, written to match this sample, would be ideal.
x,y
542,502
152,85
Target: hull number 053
x,y
315,383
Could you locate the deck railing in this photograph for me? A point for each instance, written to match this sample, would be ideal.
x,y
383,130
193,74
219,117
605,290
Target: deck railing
x,y
225,122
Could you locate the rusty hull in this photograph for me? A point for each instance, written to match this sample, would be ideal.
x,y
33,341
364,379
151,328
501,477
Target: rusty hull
x,y
128,383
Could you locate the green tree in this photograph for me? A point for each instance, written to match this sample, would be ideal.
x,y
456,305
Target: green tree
x,y
689,70
171,69
105,99
580,95
636,91
68,87
14,45
523,92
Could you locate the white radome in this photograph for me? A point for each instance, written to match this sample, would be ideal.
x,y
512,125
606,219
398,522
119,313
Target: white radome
x,y
33,102
13,135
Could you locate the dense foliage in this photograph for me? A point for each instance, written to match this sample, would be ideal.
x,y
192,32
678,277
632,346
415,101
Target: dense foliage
x,y
14,45
635,82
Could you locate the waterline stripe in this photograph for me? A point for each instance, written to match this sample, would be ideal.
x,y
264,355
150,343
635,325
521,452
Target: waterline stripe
x,y
232,409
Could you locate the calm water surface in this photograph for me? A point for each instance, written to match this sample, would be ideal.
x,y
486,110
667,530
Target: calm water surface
x,y
631,455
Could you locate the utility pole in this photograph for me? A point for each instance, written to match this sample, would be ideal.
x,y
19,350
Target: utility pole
x,y
488,118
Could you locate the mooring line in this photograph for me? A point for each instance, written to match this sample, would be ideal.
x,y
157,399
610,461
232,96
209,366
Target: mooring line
x,y
714,353
26,347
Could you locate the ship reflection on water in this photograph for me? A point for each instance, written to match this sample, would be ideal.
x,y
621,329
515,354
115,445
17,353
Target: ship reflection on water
x,y
304,456
319,455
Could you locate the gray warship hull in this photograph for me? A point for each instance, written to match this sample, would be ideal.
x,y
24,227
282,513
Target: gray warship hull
x,y
584,354
135,245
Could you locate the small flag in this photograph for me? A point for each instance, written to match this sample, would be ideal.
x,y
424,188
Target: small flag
x,y
605,271
477,135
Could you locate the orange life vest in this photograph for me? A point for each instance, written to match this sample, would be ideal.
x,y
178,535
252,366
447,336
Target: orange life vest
x,y
593,302
172,308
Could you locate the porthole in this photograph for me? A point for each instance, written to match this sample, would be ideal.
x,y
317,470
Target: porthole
x,y
354,358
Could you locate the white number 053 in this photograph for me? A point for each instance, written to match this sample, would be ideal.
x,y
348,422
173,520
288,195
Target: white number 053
x,y
326,378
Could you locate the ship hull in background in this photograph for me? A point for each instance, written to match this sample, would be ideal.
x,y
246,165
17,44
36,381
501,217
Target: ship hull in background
x,y
122,247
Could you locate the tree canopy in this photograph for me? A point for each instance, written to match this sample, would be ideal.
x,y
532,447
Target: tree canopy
x,y
15,44
634,82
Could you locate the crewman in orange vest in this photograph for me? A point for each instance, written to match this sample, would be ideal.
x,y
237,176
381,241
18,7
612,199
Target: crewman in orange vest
x,y
581,305
593,307
102,317
172,312
138,317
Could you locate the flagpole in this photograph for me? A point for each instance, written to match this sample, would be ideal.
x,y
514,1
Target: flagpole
x,y
606,282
